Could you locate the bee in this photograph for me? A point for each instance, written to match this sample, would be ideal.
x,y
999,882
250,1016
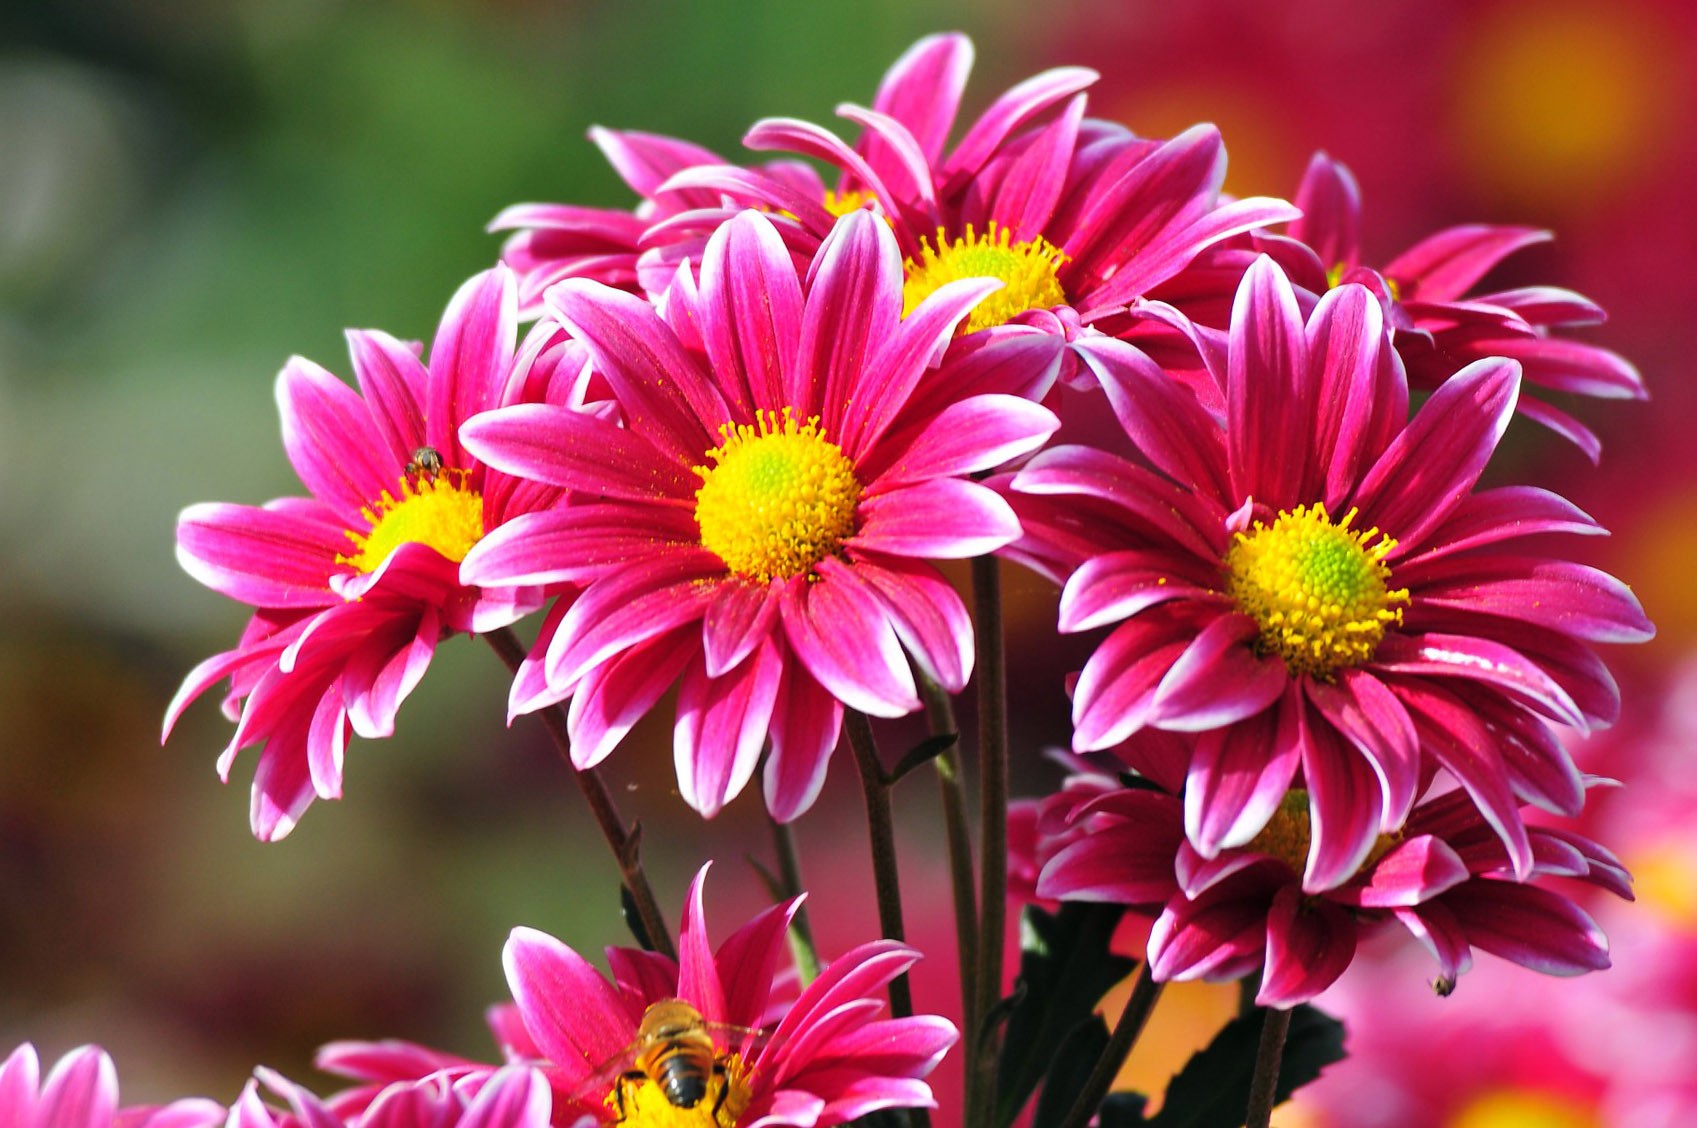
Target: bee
x,y
675,1052
426,462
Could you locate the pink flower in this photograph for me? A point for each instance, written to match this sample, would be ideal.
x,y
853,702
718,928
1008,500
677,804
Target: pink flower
x,y
1439,327
1078,218
1310,581
759,526
1444,876
355,586
513,1097
81,1091
828,1060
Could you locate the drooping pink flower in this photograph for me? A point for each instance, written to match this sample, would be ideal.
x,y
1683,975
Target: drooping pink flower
x,y
81,1091
827,1061
355,586
515,1096
1439,326
1079,218
758,528
1444,876
1310,580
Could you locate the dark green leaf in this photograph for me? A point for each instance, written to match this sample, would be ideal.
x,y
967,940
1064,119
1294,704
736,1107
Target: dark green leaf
x,y
1212,1090
1064,970
1070,1071
1122,1110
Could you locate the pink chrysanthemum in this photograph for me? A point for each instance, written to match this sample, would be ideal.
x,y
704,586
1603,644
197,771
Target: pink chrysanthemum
x,y
1438,326
759,525
81,1091
1312,582
516,1096
1444,876
828,1060
356,585
1078,218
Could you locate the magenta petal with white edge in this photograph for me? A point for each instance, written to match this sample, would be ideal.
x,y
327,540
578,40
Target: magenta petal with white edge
x,y
1269,392
258,556
942,519
1218,679
576,1017
1238,776
1345,803
928,616
627,608
515,1097
613,696
751,314
721,728
1309,944
1529,925
843,635
574,450
331,440
736,623
469,357
854,305
1212,937
80,1091
922,90
1411,872
1115,693
20,1078
806,722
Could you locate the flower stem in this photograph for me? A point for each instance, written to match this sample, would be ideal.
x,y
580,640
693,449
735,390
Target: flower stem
x,y
951,785
1264,1088
981,1045
882,828
1132,1020
625,844
801,928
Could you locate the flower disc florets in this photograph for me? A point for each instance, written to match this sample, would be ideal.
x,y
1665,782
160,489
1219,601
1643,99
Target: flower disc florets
x,y
779,498
1028,268
1317,589
438,510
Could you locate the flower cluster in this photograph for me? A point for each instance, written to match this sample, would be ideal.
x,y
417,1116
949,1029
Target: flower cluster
x,y
755,412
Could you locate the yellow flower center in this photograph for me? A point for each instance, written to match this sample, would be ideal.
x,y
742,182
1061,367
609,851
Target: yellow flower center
x,y
1027,270
640,1103
842,203
437,509
1317,589
1507,1108
779,498
1289,832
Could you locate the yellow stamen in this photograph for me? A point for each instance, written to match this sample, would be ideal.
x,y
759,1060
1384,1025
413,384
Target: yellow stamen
x,y
437,510
1290,831
779,498
640,1103
1027,269
1318,590
844,202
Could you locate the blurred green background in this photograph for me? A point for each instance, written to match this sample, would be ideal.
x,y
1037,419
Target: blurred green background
x,y
192,191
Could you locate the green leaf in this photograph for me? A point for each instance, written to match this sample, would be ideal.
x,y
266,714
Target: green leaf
x,y
1212,1090
1122,1110
1065,968
1069,1072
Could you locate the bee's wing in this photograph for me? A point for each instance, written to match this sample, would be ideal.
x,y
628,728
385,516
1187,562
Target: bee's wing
x,y
744,1041
598,1083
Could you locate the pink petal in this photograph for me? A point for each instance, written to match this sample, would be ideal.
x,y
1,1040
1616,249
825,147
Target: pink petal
x,y
1129,862
1269,395
751,313
1440,934
1118,585
1346,805
735,623
1238,776
721,728
1372,719
1478,660
748,960
514,1097
922,90
391,380
1013,109
1220,934
1309,944
1428,468
1149,501
1531,926
20,1076
1330,201
1027,188
646,160
577,1018
575,544
977,433
1411,872
613,696
1579,601
806,722
470,357
906,168
1443,266
1345,337
853,306
382,674
260,556
1218,679
928,616
698,972
1115,693
842,633
578,451
623,609
81,1091
1505,513
943,518
332,441
1162,419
